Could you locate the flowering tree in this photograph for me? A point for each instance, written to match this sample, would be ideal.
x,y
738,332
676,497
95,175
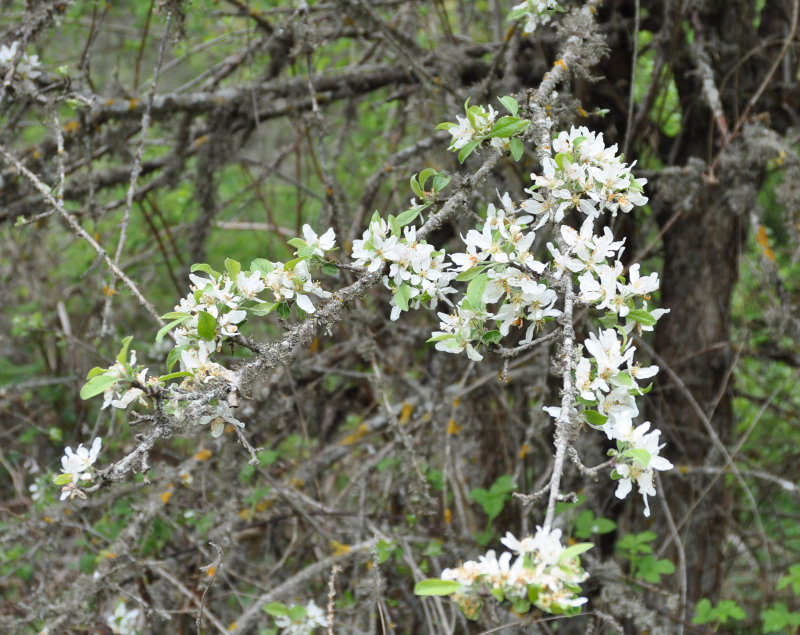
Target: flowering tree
x,y
282,437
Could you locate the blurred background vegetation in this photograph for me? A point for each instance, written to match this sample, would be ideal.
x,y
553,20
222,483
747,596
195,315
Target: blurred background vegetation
x,y
236,158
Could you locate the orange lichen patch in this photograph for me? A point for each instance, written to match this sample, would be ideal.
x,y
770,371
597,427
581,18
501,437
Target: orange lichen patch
x,y
200,140
561,63
211,571
368,565
203,455
314,345
453,427
47,519
683,469
165,496
339,549
110,101
763,241
71,126
448,516
108,291
109,555
132,104
263,506
359,433
67,512
233,627
456,402
524,450
582,112
245,514
297,482
405,413
37,154
387,168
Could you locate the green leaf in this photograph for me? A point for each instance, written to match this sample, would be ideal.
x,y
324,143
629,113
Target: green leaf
x,y
492,337
603,526
510,103
297,242
394,226
507,127
297,613
440,181
232,267
174,355
409,216
262,265
521,606
475,290
650,570
467,150
206,325
276,609
440,338
122,356
563,158
640,455
293,263
594,417
446,125
181,373
385,549
262,308
168,327
642,317
435,586
329,269
574,550
778,618
402,296
284,310
623,379
201,266
62,479
516,148
96,371
96,385
425,175
415,187
469,274
174,315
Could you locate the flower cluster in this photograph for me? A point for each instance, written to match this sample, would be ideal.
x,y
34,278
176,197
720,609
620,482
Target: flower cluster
x,y
417,272
129,386
607,393
77,467
218,304
297,620
123,620
544,574
500,266
476,124
481,125
536,13
27,67
586,175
